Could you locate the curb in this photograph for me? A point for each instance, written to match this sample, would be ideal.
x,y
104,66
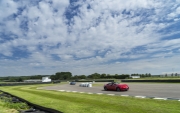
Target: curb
x,y
149,97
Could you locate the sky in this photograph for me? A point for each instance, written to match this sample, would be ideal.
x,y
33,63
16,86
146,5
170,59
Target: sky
x,y
89,36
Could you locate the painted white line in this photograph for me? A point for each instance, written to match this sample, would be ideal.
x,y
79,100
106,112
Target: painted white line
x,y
61,90
140,96
81,92
74,91
111,94
90,93
178,100
160,98
99,93
125,95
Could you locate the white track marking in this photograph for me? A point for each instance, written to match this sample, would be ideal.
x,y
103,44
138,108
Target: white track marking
x,y
111,94
99,93
61,90
90,93
140,96
125,95
74,91
160,98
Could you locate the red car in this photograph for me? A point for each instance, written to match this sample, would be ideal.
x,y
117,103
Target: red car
x,y
116,87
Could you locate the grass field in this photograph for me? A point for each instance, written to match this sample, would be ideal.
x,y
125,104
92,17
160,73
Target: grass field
x,y
4,109
68,102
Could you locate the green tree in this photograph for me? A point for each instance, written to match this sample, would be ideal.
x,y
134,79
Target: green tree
x,y
76,77
143,75
149,74
108,76
19,79
103,75
82,77
172,74
94,76
176,74
63,75
53,77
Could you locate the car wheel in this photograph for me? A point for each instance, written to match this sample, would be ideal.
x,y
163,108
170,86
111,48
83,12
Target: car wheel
x,y
127,89
105,88
118,89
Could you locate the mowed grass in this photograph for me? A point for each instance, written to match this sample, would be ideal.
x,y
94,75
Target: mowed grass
x,y
69,102
4,109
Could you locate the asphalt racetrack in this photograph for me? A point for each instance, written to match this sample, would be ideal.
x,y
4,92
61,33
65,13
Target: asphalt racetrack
x,y
158,90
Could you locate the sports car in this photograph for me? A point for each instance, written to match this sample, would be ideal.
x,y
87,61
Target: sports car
x,y
116,87
72,83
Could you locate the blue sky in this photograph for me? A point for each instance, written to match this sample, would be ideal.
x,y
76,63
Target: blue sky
x,y
88,36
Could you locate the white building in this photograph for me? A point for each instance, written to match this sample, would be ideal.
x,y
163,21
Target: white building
x,y
135,76
33,80
46,79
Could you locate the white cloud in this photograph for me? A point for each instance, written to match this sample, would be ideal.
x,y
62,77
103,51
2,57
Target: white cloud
x,y
96,38
7,8
153,66
175,14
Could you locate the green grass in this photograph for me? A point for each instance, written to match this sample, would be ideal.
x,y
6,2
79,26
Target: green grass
x,y
6,109
68,102
7,106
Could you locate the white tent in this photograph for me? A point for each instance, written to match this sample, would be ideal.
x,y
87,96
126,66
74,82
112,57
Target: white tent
x,y
46,79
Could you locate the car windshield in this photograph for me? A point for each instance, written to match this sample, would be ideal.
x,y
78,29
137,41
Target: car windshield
x,y
114,83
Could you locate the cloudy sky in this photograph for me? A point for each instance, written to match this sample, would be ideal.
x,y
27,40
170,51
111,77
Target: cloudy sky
x,y
88,36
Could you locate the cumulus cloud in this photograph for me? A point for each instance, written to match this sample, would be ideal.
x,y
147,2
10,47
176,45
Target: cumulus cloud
x,y
55,35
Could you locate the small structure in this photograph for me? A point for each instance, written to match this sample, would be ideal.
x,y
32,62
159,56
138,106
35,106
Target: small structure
x,y
135,76
46,79
33,80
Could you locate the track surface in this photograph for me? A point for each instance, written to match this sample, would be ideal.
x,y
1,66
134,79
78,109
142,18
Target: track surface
x,y
158,90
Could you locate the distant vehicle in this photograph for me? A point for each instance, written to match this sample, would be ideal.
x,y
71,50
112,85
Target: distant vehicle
x,y
116,87
72,83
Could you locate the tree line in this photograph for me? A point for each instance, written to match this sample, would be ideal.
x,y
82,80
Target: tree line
x,y
101,76
142,75
68,76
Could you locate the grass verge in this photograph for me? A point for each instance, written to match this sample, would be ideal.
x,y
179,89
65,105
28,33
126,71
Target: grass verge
x,y
6,109
68,102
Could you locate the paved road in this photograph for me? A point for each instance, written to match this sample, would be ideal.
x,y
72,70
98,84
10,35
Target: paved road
x,y
158,90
